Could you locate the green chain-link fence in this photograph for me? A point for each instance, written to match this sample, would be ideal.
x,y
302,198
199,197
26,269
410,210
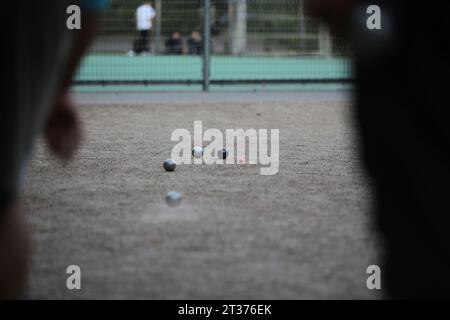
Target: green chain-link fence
x,y
251,41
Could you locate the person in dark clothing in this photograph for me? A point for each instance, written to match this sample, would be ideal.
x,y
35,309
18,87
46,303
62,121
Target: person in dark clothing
x,y
174,44
404,121
195,43
36,99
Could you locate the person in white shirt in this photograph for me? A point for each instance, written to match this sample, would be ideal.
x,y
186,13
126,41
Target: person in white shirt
x,y
144,23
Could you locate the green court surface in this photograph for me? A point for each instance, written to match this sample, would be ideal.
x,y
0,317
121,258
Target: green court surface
x,y
96,67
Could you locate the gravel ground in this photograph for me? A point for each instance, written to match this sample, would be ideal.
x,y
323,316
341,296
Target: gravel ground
x,y
303,233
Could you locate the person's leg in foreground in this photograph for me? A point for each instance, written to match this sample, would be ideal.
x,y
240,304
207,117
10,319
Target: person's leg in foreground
x,y
37,71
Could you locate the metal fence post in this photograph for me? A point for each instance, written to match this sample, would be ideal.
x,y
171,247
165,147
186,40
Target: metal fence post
x,y
158,39
206,44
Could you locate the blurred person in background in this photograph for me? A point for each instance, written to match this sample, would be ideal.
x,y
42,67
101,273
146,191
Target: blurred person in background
x,y
144,24
174,44
195,43
37,74
404,124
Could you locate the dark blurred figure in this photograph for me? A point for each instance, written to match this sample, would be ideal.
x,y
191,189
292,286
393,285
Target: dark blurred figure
x,y
403,116
195,43
174,45
37,74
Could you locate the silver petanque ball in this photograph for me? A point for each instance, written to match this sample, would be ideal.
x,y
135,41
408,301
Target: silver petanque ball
x,y
197,152
222,154
173,198
169,165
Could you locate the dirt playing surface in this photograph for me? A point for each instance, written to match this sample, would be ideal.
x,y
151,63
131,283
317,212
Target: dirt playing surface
x,y
303,233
